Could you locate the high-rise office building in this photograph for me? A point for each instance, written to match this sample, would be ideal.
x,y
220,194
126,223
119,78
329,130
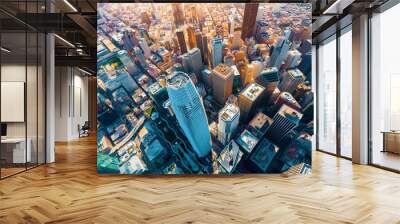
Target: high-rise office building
x,y
269,79
205,49
262,156
179,17
236,78
290,80
229,59
145,47
222,81
129,39
127,62
288,99
216,51
305,65
279,53
191,36
259,124
236,40
181,40
287,32
230,157
192,61
228,121
199,43
292,60
261,34
231,25
249,20
256,68
249,99
140,57
190,113
242,67
305,46
247,141
206,77
284,121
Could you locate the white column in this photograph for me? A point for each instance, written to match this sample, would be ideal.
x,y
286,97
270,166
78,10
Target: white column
x,y
50,99
360,90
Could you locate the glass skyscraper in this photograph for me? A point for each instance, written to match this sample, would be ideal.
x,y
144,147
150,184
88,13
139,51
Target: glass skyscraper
x,y
216,51
189,111
279,53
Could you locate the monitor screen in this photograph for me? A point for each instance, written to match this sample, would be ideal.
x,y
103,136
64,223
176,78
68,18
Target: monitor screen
x,y
3,129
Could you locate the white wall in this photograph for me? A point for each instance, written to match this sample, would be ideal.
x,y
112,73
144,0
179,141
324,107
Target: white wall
x,y
33,126
71,102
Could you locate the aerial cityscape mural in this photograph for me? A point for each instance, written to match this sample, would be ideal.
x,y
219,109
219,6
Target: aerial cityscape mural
x,y
204,88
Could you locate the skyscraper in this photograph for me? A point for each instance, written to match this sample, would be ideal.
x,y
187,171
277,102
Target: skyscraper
x,y
177,10
305,65
222,81
199,43
181,41
279,53
228,121
230,157
249,20
236,40
284,121
192,61
191,36
305,46
129,39
205,49
261,34
242,67
290,80
288,99
140,57
248,100
189,111
292,59
263,155
256,68
231,25
269,79
216,52
145,47
127,62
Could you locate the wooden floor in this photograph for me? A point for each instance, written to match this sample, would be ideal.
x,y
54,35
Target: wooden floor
x,y
70,191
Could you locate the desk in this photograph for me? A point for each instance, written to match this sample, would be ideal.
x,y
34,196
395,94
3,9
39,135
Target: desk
x,y
13,150
391,141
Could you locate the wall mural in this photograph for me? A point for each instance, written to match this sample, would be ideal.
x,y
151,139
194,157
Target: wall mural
x,y
204,88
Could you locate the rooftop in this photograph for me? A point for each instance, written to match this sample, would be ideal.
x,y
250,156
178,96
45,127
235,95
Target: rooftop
x,y
260,120
223,70
295,73
154,88
253,91
289,112
229,112
247,140
177,79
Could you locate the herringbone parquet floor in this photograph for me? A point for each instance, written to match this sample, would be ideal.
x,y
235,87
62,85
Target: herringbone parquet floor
x,y
70,191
